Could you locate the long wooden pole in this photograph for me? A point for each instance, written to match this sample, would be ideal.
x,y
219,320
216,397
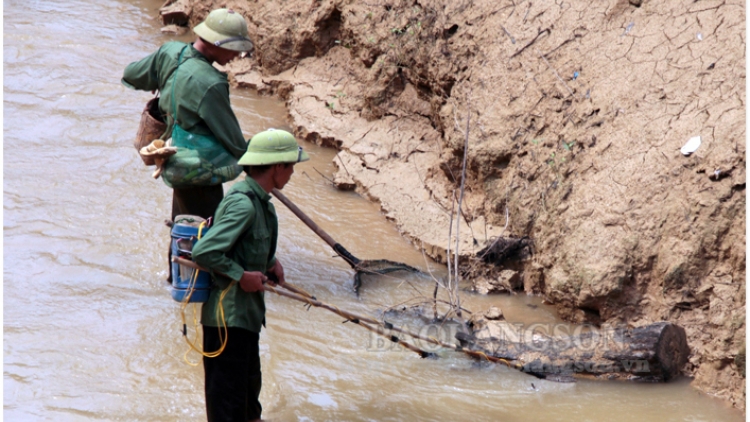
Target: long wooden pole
x,y
305,219
352,260
300,295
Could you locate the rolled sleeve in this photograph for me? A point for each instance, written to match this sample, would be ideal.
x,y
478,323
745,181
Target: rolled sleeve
x,y
142,74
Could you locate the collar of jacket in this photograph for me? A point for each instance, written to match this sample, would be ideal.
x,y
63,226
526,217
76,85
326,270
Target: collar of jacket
x,y
255,187
194,53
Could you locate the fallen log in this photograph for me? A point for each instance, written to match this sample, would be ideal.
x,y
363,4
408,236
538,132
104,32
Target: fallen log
x,y
656,352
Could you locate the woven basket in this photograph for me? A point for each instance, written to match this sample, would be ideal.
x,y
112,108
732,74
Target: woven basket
x,y
152,127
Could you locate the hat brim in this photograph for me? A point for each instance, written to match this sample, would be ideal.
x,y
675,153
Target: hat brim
x,y
208,34
255,158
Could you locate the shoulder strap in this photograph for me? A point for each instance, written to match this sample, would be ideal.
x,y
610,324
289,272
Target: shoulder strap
x,y
174,79
250,195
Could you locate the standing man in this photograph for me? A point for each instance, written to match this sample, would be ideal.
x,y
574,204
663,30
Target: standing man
x,y
241,245
195,99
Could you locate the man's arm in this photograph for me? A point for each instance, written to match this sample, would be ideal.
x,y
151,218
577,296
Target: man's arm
x,y
216,111
142,74
278,271
210,251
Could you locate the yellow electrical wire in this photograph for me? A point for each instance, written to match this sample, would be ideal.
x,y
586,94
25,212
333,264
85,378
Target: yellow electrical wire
x,y
223,335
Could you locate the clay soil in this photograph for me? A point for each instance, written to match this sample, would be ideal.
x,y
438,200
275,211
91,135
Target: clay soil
x,y
575,112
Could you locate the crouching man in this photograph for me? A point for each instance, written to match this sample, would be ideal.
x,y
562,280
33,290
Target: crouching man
x,y
241,244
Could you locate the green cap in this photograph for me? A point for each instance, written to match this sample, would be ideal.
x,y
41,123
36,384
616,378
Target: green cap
x,y
225,28
273,146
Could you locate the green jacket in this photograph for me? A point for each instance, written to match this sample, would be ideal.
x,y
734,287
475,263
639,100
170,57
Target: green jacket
x,y
201,93
242,238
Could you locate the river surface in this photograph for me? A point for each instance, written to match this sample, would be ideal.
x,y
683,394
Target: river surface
x,y
90,330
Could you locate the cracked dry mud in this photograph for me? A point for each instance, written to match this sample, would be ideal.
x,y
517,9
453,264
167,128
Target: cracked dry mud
x,y
577,114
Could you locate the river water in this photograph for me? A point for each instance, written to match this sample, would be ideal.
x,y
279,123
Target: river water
x,y
90,331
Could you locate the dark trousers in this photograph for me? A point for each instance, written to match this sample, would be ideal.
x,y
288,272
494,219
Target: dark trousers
x,y
233,378
200,200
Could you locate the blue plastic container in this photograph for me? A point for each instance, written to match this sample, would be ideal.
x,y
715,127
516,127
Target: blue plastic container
x,y
199,295
184,236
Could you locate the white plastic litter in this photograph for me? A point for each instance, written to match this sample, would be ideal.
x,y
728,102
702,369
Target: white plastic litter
x,y
691,146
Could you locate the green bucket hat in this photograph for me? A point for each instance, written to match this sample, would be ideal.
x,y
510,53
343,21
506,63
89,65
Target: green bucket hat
x,y
273,146
225,28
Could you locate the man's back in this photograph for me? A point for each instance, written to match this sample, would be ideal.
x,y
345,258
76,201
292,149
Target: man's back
x,y
196,93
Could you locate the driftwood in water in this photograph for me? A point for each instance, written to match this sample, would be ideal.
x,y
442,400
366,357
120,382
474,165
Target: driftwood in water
x,y
655,352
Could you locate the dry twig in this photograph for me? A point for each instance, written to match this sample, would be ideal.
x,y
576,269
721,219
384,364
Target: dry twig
x,y
460,200
555,72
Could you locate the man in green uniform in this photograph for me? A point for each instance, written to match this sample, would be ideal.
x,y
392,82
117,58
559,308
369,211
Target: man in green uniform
x,y
239,251
195,99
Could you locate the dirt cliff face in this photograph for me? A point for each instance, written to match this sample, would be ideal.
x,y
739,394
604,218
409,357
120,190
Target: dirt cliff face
x,y
575,114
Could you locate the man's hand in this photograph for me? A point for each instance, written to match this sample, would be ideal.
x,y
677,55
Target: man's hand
x,y
252,281
278,271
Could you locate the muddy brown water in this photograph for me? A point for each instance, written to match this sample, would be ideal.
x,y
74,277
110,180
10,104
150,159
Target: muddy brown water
x,y
90,332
